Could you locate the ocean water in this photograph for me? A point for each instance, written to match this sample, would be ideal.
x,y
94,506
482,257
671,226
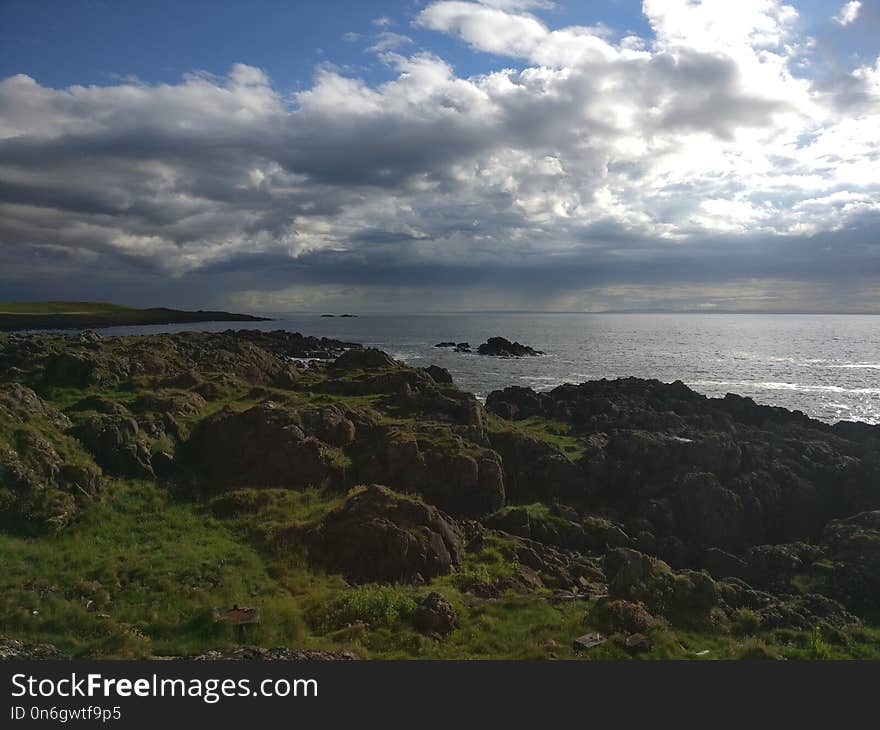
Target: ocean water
x,y
827,366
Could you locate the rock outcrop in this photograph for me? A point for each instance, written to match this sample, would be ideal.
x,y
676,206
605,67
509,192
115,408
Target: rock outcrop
x,y
708,473
501,347
266,445
45,477
435,615
17,650
379,535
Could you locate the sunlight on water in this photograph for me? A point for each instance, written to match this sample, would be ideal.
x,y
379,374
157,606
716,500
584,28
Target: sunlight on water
x,y
825,366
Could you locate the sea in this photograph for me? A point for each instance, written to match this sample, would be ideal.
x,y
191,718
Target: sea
x,y
827,366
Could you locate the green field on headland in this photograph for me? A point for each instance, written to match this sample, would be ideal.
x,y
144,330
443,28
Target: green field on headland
x,y
82,315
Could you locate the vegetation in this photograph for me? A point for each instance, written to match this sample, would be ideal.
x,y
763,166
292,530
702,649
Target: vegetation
x,y
78,315
141,566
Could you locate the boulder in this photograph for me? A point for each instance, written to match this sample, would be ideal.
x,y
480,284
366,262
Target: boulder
x,y
435,616
440,375
853,544
117,444
618,616
636,577
333,424
535,470
266,446
378,535
447,470
773,566
366,359
183,404
513,520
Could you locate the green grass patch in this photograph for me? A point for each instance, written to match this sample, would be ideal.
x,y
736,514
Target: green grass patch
x,y
557,433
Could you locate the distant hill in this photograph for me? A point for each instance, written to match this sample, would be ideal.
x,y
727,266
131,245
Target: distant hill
x,y
62,308
82,315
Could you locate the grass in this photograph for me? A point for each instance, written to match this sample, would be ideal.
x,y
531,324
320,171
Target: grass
x,y
556,433
141,573
152,570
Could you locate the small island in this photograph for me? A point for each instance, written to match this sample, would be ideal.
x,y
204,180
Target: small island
x,y
494,347
87,315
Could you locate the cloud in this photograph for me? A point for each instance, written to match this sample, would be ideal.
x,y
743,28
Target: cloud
x,y
388,41
594,170
848,13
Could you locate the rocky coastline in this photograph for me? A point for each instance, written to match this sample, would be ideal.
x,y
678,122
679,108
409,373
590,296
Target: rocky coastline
x,y
382,511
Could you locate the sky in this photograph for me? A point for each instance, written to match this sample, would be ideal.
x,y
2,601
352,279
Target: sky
x,y
442,155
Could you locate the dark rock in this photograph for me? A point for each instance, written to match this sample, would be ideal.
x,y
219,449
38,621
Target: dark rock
x,y
638,643
23,403
17,650
366,359
435,615
449,471
440,375
854,546
178,404
535,470
118,445
722,473
773,566
445,344
501,347
514,520
711,514
39,490
266,446
722,564
379,535
636,577
615,615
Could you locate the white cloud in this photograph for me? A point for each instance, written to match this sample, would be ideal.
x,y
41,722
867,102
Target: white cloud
x,y
848,13
388,41
602,155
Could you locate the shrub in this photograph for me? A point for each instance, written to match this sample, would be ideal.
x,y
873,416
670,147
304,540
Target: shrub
x,y
374,605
